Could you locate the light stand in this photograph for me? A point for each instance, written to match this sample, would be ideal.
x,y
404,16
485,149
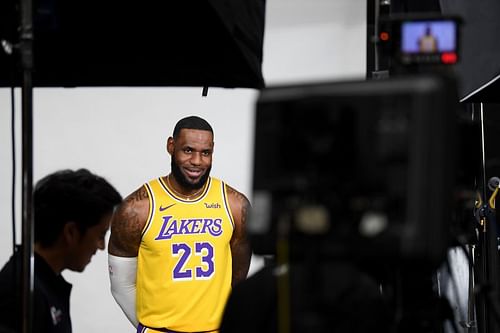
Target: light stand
x,y
26,53
487,258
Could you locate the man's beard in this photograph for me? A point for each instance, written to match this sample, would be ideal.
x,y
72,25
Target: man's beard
x,y
181,178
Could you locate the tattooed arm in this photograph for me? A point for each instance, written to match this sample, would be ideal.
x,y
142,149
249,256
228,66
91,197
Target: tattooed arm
x,y
126,227
240,246
127,224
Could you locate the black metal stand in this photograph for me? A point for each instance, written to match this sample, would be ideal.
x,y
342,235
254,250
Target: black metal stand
x,y
26,52
487,274
377,66
487,259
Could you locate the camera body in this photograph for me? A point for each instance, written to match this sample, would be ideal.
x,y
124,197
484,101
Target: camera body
x,y
356,169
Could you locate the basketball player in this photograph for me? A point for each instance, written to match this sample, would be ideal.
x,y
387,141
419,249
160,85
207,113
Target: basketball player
x,y
178,243
428,42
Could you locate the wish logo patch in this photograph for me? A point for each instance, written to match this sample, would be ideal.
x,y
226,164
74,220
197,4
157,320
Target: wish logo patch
x,y
212,205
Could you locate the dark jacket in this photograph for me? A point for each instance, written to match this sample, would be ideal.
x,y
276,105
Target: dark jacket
x,y
51,312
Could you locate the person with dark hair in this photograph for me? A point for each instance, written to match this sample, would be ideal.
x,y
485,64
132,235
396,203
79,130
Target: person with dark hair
x,y
72,212
178,243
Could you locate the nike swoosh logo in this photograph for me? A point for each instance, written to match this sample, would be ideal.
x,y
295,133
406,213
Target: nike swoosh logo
x,y
165,208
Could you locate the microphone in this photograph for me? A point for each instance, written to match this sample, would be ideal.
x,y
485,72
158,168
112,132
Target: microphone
x,y
493,183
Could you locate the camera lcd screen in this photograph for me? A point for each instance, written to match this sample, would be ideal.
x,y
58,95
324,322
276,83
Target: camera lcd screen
x,y
428,36
432,41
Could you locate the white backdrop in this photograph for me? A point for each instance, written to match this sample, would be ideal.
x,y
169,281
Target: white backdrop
x,y
120,133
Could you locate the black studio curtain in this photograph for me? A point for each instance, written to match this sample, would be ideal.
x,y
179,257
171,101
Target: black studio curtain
x,y
415,6
479,66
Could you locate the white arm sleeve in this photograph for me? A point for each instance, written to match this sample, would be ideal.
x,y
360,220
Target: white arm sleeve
x,y
122,275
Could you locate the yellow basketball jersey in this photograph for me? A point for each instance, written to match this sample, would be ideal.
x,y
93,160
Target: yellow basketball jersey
x,y
184,264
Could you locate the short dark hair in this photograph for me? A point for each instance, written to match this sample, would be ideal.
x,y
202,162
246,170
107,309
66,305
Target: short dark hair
x,y
192,122
64,196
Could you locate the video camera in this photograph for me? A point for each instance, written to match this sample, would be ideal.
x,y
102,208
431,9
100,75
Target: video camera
x,y
359,169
